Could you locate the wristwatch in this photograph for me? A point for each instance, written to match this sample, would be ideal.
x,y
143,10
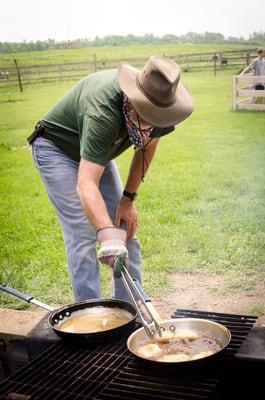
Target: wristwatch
x,y
131,196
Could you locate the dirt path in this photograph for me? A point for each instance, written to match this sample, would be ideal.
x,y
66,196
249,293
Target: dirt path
x,y
197,292
200,292
18,322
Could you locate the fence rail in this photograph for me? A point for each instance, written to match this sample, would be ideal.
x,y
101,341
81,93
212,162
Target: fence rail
x,y
247,97
12,74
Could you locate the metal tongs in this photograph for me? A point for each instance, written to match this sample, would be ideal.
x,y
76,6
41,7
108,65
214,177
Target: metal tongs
x,y
152,327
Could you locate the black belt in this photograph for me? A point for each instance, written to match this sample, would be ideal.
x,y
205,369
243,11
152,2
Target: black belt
x,y
39,130
45,135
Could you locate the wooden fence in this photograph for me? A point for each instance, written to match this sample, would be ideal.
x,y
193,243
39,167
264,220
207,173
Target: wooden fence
x,y
246,97
221,60
23,74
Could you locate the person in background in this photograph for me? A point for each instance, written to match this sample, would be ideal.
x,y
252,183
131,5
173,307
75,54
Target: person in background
x,y
74,146
257,67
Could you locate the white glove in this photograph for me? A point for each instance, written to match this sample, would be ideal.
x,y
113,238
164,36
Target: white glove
x,y
112,248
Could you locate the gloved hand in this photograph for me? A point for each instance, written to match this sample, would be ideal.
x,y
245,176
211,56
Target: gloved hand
x,y
112,250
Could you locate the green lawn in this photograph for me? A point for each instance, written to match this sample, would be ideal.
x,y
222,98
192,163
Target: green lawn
x,y
111,53
201,207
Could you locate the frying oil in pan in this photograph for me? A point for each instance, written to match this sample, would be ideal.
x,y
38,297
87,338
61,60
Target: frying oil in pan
x,y
183,346
98,321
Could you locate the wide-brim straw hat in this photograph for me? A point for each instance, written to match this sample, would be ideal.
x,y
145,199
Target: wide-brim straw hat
x,y
156,92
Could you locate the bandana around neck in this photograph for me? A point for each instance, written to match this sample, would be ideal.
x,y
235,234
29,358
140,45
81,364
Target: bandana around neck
x,y
136,135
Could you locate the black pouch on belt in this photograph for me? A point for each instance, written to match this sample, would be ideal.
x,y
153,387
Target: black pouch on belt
x,y
38,130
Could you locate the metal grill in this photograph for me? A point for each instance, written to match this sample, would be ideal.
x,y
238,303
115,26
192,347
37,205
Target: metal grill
x,y
111,371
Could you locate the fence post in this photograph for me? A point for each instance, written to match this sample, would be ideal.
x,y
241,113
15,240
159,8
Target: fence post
x,y
18,75
247,58
95,63
234,93
215,58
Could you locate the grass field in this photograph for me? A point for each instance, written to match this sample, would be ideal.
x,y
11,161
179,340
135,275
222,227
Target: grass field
x,y
110,53
201,207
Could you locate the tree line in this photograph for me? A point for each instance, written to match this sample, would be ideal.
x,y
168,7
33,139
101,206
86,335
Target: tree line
x,y
255,39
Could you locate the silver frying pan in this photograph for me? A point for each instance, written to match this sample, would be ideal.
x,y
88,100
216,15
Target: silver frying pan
x,y
192,340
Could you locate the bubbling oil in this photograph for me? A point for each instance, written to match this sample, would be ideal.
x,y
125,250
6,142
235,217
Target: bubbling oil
x,y
185,345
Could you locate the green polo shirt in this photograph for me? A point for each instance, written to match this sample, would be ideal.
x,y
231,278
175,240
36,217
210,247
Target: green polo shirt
x,y
88,121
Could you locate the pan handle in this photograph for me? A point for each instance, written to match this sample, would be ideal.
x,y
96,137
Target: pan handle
x,y
25,297
16,293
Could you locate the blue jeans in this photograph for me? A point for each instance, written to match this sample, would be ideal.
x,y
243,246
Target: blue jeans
x,y
59,175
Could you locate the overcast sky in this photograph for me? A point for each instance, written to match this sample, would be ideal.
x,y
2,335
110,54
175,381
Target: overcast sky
x,y
72,19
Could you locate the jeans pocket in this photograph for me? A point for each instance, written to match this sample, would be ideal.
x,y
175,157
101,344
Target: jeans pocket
x,y
45,153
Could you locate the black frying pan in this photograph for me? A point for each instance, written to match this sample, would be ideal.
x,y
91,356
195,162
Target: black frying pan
x,y
69,311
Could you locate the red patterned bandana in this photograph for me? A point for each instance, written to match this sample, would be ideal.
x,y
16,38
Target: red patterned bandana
x,y
137,136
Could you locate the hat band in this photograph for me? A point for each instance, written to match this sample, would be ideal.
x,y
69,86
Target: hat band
x,y
141,88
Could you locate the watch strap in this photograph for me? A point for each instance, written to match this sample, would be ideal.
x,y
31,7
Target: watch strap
x,y
130,195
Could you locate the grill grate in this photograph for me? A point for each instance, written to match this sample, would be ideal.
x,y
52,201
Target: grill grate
x,y
111,371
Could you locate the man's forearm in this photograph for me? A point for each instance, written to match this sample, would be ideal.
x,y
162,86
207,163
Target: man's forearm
x,y
138,167
94,206
245,70
89,175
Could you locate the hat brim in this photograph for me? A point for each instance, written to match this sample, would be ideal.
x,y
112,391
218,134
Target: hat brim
x,y
148,111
